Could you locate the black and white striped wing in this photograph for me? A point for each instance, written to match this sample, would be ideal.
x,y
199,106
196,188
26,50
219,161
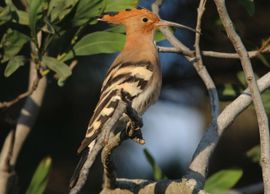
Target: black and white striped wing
x,y
131,78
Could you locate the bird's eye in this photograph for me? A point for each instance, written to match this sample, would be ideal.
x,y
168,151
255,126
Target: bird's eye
x,y
145,19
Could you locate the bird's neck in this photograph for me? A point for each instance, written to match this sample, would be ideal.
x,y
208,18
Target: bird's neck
x,y
142,41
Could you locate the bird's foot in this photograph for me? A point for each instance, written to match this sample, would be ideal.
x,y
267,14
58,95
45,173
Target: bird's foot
x,y
134,133
133,129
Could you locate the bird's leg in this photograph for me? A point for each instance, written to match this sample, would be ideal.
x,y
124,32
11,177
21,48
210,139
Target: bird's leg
x,y
135,123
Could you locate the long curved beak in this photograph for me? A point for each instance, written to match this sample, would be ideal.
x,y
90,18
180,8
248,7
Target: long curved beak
x,y
163,23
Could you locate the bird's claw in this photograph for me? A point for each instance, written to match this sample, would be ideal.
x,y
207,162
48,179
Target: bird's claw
x,y
134,132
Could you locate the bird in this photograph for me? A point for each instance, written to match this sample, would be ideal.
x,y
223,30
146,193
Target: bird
x,y
134,76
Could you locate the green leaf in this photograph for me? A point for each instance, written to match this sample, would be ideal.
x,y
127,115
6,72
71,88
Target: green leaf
x,y
264,60
118,5
35,7
5,14
266,100
86,11
157,172
40,179
241,77
61,69
97,42
222,181
159,36
22,17
13,64
117,29
58,9
229,91
248,5
254,154
12,42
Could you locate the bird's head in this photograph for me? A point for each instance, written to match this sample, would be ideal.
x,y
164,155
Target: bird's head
x,y
138,20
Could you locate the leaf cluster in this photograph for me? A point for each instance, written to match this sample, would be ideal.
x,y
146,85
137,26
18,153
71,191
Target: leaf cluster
x,y
69,23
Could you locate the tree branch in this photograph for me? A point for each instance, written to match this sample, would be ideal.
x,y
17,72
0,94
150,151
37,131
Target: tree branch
x,y
119,110
251,54
25,123
256,97
29,92
226,117
215,54
199,164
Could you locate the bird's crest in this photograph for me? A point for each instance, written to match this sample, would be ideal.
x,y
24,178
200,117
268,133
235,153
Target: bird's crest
x,y
117,17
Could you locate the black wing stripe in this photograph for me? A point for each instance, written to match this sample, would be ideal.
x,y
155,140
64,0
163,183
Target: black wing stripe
x,y
101,104
112,80
144,63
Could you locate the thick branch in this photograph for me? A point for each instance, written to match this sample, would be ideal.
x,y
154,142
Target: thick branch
x,y
256,97
227,116
25,123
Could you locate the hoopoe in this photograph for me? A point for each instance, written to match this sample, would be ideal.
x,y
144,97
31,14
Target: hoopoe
x,y
135,72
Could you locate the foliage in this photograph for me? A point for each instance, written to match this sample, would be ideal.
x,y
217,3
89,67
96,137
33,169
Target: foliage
x,y
254,154
222,181
68,21
157,172
40,178
248,5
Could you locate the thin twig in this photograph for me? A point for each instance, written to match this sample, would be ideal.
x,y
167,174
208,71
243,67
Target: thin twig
x,y
169,35
73,64
29,92
215,54
256,97
198,166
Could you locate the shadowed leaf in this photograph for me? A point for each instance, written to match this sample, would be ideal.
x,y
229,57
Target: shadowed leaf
x,y
58,9
254,154
12,42
248,5
266,100
35,7
13,64
5,14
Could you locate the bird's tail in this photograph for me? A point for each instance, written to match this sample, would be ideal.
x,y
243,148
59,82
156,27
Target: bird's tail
x,y
78,168
91,149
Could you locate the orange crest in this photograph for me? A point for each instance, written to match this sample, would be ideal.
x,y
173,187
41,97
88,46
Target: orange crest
x,y
120,17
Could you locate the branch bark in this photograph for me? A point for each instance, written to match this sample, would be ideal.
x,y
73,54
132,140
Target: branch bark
x,y
225,118
120,109
256,97
26,120
214,54
199,164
